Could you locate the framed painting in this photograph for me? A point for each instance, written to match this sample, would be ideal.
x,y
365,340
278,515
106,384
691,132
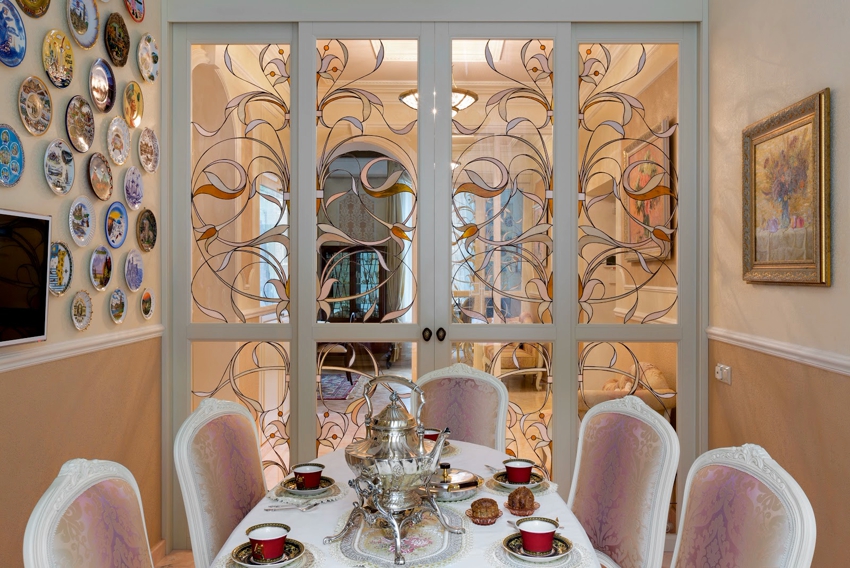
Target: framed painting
x,y
786,215
646,165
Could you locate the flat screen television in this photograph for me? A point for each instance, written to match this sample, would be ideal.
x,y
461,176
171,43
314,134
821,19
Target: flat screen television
x,y
24,261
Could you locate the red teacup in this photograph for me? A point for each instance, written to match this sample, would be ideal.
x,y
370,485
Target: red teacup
x,y
432,434
268,541
308,475
519,470
537,533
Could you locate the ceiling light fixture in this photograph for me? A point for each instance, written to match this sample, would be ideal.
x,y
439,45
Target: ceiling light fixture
x,y
461,99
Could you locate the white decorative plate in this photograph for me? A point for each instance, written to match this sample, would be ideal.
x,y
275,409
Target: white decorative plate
x,y
81,310
118,305
81,220
100,268
149,150
147,57
59,167
134,270
148,303
61,268
35,106
83,21
118,140
133,188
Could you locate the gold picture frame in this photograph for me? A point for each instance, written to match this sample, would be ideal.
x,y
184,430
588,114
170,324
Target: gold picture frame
x,y
786,210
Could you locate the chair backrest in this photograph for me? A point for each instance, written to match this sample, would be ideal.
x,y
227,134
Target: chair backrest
x,y
91,516
474,404
742,509
217,456
623,480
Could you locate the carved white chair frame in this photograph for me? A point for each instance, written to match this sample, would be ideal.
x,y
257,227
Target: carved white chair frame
x,y
634,407
461,371
75,477
209,410
754,460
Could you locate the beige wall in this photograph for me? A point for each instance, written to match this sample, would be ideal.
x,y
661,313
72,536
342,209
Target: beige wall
x,y
103,405
798,414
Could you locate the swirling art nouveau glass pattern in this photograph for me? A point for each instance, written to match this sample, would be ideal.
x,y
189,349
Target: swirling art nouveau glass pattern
x,y
366,194
628,183
240,183
502,182
526,370
255,374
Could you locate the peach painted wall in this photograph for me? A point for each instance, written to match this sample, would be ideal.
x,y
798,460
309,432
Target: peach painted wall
x,y
103,405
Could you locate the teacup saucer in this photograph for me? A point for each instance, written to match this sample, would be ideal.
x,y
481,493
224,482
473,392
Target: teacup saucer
x,y
293,550
325,483
561,546
502,479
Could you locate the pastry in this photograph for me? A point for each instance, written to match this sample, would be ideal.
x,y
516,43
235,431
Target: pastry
x,y
521,499
484,508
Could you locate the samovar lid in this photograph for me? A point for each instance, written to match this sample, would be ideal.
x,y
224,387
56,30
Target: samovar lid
x,y
394,417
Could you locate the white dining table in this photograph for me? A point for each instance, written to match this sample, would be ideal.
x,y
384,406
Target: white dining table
x,y
310,527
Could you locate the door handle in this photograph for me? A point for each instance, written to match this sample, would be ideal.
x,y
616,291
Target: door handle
x,y
426,334
441,334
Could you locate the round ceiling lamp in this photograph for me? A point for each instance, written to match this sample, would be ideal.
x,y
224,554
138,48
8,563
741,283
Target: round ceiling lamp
x,y
461,99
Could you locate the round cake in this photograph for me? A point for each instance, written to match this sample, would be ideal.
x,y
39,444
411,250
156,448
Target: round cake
x,y
484,508
521,499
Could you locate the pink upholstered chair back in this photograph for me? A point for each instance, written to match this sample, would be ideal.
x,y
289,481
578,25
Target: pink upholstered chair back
x,y
90,517
621,488
742,509
217,456
472,403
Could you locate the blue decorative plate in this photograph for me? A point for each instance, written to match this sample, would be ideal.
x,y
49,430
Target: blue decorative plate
x,y
134,270
116,224
13,35
11,156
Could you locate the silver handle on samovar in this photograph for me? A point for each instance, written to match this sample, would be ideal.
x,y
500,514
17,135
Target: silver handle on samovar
x,y
369,390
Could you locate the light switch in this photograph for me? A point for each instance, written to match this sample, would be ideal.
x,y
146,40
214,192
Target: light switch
x,y
723,373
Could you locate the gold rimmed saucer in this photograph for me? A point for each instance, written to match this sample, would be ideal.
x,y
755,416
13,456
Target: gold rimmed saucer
x,y
561,546
325,483
502,479
292,551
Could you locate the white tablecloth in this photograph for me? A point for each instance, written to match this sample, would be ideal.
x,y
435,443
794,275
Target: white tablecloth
x,y
312,526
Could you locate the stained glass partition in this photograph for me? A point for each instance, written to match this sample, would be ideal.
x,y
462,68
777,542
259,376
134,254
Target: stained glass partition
x,y
367,185
240,183
502,181
628,183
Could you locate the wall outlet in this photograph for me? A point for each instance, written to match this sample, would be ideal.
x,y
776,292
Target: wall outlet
x,y
723,373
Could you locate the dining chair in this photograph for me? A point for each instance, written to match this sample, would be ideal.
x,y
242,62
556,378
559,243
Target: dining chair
x,y
90,516
474,404
622,483
217,457
742,509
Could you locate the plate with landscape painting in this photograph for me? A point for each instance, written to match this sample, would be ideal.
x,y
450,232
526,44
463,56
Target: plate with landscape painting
x,y
118,140
61,268
147,56
133,188
102,86
146,230
35,106
57,57
147,303
83,21
100,268
134,270
136,9
81,311
59,167
117,305
34,8
116,224
11,156
134,104
100,176
149,150
81,220
13,35
79,123
117,39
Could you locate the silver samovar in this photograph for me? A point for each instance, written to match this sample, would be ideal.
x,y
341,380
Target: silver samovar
x,y
392,465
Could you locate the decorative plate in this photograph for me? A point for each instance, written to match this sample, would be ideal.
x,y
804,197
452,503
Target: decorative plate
x,y
100,268
57,57
11,156
133,188
561,546
81,310
522,512
79,123
483,521
118,140
501,478
325,483
34,106
59,167
149,150
134,271
100,176
147,302
118,305
34,8
134,104
292,551
148,58
61,269
83,21
146,230
117,39
136,9
116,224
102,85
81,220
13,35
